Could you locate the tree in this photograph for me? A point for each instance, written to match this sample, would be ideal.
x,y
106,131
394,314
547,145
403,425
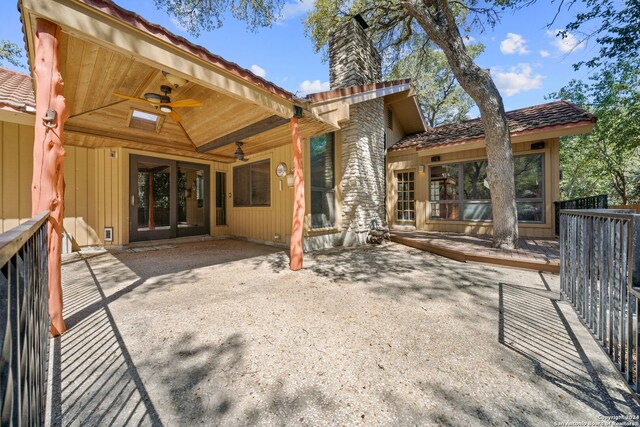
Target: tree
x,y
395,23
440,97
206,15
10,52
616,29
400,25
606,159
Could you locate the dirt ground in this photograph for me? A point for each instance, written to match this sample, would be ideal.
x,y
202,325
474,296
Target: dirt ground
x,y
220,332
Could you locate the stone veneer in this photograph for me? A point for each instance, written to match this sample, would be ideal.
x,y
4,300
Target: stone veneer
x,y
363,166
353,59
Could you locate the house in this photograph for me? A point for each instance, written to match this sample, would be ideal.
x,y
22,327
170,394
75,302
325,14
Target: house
x,y
165,139
437,179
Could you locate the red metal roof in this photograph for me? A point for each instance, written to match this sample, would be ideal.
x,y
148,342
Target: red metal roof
x,y
558,114
159,32
16,90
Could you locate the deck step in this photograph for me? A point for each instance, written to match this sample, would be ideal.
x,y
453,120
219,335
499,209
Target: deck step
x,y
467,256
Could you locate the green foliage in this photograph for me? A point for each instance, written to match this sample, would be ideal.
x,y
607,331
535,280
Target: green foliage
x,y
441,98
608,159
206,15
617,29
11,53
406,49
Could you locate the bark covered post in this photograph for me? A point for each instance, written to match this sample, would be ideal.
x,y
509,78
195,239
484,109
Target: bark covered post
x,y
295,245
48,157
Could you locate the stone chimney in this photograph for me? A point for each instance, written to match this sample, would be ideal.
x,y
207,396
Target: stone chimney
x,y
353,59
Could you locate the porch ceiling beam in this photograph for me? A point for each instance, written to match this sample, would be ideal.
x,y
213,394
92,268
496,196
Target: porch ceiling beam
x,y
132,142
244,133
91,24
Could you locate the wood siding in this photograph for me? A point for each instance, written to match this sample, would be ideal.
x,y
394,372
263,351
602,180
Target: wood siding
x,y
410,162
263,223
90,202
16,159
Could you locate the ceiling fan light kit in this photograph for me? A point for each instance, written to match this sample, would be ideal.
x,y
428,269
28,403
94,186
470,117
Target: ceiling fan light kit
x,y
166,109
175,81
239,154
153,98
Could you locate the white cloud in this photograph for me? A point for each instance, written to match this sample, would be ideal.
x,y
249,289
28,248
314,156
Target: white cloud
x,y
545,53
258,70
308,86
518,79
514,43
467,40
296,8
567,44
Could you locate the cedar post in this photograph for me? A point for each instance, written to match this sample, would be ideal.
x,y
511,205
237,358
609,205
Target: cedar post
x,y
48,157
295,247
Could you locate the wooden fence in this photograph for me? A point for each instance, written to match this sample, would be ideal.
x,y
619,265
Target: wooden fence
x,y
600,277
628,207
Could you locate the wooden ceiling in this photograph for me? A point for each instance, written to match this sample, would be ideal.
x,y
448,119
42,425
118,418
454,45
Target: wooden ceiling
x,y
99,118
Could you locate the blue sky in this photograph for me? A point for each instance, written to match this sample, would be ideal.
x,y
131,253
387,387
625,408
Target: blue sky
x,y
526,60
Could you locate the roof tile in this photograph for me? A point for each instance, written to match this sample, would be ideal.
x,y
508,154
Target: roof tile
x,y
556,113
16,89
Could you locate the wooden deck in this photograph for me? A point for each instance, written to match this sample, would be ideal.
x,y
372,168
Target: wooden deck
x,y
534,253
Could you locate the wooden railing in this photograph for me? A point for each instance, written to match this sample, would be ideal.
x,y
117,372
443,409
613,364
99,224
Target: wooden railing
x,y
600,201
635,207
24,323
600,277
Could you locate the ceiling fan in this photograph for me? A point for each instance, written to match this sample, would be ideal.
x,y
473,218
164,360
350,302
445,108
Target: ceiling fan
x,y
163,102
239,154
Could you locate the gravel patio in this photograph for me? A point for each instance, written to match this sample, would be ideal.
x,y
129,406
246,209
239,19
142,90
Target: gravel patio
x,y
220,332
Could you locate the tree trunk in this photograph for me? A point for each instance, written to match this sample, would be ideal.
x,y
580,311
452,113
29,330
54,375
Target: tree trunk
x,y
48,158
438,21
295,245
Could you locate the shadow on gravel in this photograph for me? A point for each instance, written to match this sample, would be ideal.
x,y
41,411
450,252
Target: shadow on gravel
x,y
94,380
532,324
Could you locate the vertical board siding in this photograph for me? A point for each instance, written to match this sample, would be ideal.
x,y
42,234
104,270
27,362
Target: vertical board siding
x,y
10,176
97,192
262,223
16,158
16,170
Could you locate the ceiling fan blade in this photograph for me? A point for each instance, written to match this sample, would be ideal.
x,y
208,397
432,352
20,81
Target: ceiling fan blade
x,y
185,103
133,98
175,116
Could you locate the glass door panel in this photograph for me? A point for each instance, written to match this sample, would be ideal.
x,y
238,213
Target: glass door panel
x,y
193,199
152,199
167,199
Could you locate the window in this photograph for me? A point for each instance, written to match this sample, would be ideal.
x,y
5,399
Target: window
x,y
144,121
252,184
405,206
460,191
443,194
323,197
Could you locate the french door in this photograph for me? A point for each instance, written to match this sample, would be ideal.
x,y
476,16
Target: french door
x,y
167,199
